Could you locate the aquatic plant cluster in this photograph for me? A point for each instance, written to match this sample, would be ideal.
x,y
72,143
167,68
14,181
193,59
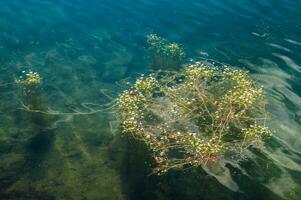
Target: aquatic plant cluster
x,y
165,55
196,116
29,83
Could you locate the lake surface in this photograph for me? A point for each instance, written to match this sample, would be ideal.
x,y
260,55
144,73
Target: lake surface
x,y
86,51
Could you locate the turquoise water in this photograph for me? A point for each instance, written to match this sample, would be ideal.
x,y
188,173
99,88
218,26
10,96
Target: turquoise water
x,y
86,51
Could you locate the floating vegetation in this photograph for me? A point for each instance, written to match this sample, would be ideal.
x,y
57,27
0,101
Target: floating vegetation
x,y
29,83
30,86
199,115
195,117
165,55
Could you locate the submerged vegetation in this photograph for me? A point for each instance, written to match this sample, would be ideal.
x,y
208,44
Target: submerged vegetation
x,y
196,116
165,55
79,122
29,83
179,117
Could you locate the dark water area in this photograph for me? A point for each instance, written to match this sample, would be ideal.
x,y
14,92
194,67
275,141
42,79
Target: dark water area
x,y
86,51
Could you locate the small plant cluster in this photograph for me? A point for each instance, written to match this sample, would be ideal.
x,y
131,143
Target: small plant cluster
x,y
195,116
30,82
165,55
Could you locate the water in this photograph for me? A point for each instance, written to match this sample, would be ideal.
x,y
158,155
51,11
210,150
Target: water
x,y
86,51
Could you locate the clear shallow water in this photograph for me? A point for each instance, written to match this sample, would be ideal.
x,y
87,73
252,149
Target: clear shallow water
x,y
82,48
